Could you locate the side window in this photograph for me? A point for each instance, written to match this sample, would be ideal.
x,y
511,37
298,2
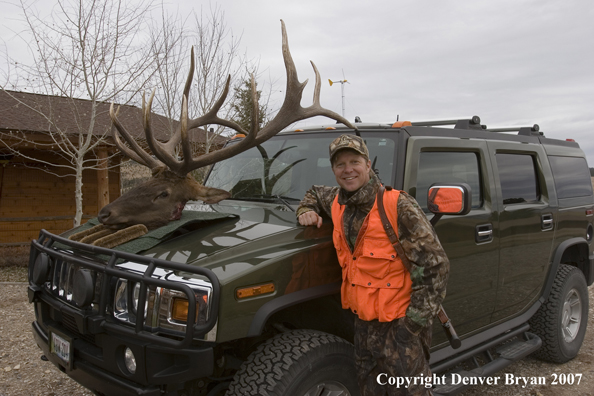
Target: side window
x,y
572,176
448,167
517,174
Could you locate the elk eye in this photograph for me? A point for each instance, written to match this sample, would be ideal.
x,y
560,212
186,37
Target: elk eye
x,y
164,194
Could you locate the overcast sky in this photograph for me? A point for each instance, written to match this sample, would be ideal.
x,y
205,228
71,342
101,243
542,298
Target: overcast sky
x,y
511,62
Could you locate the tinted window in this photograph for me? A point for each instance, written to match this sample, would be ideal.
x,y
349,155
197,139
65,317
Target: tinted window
x,y
290,165
572,176
517,175
448,167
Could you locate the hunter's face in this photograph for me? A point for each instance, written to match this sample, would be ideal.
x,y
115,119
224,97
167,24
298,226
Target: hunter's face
x,y
351,169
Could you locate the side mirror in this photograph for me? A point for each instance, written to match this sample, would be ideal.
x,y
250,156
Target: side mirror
x,y
448,199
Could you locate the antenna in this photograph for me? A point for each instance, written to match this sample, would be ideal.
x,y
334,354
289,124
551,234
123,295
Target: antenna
x,y
341,82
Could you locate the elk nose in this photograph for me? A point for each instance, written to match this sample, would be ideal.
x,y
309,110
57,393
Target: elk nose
x,y
103,215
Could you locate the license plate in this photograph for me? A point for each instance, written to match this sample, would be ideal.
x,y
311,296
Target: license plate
x,y
60,347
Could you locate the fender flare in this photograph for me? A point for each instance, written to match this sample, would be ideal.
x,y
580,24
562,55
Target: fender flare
x,y
286,301
559,251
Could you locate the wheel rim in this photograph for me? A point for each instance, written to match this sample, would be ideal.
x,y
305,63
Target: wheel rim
x,y
572,316
328,388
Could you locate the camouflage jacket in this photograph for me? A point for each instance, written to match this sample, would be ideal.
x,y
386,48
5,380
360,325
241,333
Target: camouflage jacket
x,y
430,265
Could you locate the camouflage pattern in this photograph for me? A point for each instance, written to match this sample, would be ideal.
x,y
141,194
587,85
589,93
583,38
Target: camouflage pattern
x,y
389,348
348,142
430,265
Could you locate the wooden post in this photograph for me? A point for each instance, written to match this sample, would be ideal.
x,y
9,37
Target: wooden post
x,y
102,179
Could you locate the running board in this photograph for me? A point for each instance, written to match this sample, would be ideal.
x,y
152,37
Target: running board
x,y
509,352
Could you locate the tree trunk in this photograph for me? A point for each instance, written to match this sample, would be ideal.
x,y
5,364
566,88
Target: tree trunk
x,y
102,179
78,195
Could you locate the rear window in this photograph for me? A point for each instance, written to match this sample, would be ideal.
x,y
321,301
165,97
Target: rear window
x,y
517,174
572,176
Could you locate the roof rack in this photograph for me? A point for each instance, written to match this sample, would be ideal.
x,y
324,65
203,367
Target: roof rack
x,y
472,123
525,131
475,123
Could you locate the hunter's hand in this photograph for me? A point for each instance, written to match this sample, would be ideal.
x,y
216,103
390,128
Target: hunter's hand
x,y
310,218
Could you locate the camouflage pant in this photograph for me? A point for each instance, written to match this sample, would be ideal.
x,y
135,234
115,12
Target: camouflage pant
x,y
389,348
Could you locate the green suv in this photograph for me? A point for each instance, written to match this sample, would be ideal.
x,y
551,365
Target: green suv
x,y
237,298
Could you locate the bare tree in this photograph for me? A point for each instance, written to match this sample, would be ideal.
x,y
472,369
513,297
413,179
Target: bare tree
x,y
218,55
84,49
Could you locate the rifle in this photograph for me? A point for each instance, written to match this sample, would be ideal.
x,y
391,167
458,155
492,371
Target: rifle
x,y
446,323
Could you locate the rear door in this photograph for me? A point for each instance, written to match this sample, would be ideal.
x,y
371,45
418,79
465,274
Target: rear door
x,y
526,223
469,241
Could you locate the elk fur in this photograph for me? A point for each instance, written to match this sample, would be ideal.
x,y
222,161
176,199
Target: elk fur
x,y
121,236
102,236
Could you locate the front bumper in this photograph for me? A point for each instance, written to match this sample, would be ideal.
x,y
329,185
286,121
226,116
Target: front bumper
x,y
94,339
100,366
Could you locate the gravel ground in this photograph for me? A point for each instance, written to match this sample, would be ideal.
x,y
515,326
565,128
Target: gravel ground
x,y
23,373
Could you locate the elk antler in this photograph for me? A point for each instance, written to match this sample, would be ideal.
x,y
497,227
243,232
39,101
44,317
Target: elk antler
x,y
289,113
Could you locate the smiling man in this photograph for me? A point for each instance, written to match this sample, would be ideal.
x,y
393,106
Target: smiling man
x,y
394,308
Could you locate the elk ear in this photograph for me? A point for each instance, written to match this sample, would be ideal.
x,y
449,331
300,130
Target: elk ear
x,y
211,195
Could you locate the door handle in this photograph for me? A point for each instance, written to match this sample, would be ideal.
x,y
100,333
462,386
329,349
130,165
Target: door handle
x,y
547,222
484,233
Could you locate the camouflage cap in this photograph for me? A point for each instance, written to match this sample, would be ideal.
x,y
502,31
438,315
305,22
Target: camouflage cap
x,y
352,142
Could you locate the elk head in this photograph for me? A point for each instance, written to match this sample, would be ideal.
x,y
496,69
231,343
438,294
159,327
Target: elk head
x,y
162,198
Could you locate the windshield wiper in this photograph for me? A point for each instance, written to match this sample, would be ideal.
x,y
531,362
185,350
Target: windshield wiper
x,y
279,198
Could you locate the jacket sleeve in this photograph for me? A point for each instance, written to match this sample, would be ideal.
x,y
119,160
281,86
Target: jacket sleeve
x,y
319,199
429,263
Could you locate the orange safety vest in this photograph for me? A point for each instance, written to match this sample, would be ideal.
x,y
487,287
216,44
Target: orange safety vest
x,y
375,283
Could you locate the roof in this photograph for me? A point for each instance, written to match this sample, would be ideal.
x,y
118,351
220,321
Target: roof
x,y
27,112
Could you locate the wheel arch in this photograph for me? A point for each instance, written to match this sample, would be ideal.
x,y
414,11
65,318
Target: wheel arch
x,y
573,252
266,311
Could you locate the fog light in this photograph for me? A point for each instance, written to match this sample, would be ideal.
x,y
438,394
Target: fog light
x,y
130,361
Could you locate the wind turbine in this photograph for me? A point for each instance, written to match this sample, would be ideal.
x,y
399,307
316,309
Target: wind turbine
x,y
342,82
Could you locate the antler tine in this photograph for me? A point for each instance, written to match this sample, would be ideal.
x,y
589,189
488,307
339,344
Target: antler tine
x,y
289,113
159,150
175,139
255,110
186,148
316,108
291,110
135,152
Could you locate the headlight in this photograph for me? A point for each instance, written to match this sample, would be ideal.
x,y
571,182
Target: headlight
x,y
126,301
165,310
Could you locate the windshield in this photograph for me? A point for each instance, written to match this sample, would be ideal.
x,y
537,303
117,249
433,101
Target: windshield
x,y
287,166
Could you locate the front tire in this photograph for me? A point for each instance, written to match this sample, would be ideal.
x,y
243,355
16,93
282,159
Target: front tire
x,y
562,320
298,363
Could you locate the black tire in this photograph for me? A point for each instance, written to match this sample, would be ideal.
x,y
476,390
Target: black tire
x,y
561,337
298,363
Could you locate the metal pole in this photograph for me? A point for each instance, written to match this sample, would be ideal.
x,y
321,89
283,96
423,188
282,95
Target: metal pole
x,y
342,89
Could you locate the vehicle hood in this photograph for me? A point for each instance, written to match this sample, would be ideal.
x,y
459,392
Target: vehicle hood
x,y
255,234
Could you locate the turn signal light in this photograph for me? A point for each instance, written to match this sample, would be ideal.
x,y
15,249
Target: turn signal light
x,y
179,310
254,291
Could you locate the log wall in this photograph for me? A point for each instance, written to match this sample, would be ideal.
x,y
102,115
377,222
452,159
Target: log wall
x,y
31,199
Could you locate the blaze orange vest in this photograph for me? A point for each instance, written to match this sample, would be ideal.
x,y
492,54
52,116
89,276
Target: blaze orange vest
x,y
375,283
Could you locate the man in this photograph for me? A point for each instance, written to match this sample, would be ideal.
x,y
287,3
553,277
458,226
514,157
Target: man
x,y
394,308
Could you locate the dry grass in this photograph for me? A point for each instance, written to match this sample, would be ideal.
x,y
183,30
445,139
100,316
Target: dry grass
x,y
14,256
14,261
